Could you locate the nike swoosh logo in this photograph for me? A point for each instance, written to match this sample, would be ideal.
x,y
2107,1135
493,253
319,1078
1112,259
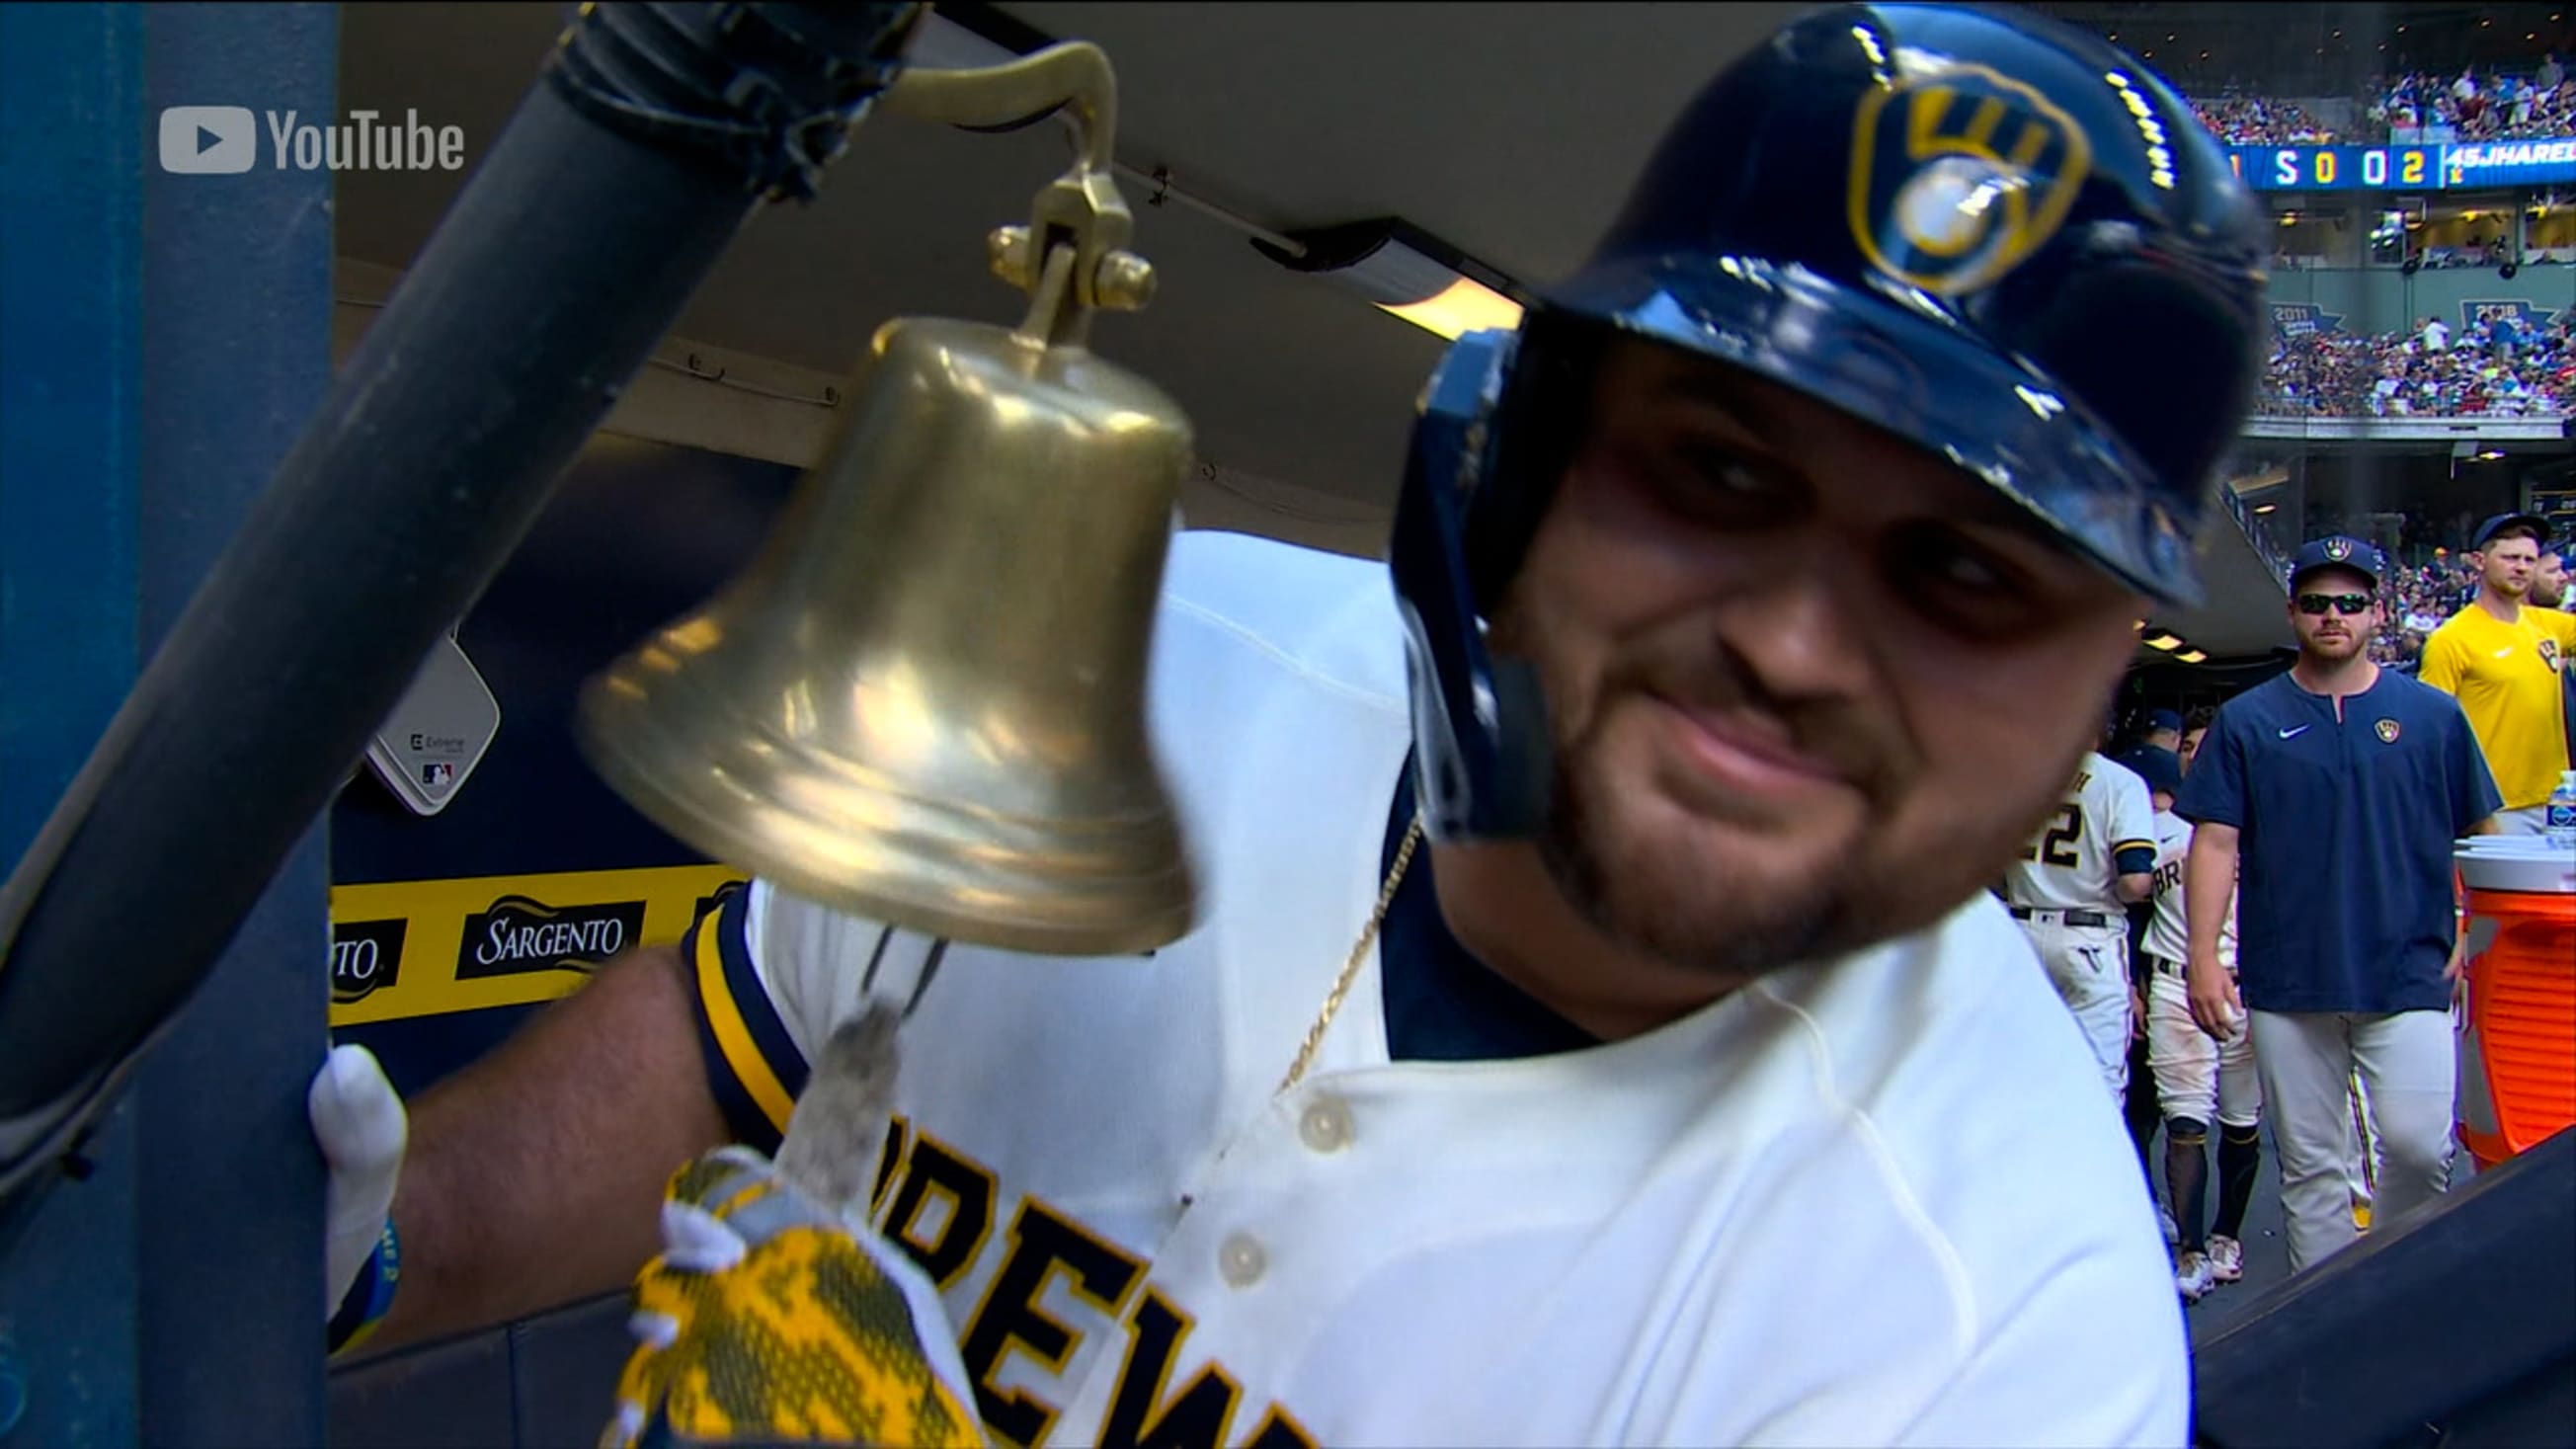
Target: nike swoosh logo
x,y
2505,653
2303,729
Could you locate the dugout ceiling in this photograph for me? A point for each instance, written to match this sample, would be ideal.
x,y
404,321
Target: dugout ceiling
x,y
1510,131
1291,115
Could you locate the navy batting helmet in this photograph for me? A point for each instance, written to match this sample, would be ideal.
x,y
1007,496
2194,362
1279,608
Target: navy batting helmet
x,y
1991,234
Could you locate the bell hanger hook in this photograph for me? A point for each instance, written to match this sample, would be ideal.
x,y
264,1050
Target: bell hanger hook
x,y
1071,258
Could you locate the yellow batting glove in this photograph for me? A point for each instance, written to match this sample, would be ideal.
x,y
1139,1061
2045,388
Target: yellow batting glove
x,y
769,1319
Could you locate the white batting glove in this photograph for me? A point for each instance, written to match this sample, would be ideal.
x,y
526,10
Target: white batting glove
x,y
359,1122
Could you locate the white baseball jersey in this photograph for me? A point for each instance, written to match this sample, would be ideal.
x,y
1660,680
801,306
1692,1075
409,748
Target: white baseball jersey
x,y
2071,863
1859,1201
2168,933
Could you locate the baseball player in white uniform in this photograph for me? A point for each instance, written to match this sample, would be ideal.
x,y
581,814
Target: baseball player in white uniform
x,y
2071,888
1598,1033
2198,1079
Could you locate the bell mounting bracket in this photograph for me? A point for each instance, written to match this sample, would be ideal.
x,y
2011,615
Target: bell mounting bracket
x,y
1071,258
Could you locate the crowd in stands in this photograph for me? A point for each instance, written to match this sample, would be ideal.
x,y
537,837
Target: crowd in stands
x,y
2494,108
2489,107
2255,121
2418,598
2504,368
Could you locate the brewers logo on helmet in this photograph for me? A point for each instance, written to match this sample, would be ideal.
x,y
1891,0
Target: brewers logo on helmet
x,y
2026,257
1958,174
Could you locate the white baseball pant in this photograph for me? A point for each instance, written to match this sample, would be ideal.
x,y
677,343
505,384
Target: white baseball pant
x,y
2407,1061
2089,966
2197,1077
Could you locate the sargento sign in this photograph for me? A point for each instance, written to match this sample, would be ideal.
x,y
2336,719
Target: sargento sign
x,y
403,949
518,935
366,957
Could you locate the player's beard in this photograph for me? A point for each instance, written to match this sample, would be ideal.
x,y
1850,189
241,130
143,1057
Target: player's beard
x,y
2328,650
1613,891
1666,904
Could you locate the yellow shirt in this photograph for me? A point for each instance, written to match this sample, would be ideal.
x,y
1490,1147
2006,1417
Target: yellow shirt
x,y
2506,679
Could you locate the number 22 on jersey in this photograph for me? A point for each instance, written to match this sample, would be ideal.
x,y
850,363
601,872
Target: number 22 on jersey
x,y
2056,846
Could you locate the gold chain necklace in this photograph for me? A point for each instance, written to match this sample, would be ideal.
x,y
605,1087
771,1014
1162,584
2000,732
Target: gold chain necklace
x,y
1359,953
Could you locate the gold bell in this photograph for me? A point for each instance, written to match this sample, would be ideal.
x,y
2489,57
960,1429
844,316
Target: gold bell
x,y
924,702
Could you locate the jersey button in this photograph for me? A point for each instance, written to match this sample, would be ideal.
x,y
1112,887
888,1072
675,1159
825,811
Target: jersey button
x,y
1325,1125
1241,1260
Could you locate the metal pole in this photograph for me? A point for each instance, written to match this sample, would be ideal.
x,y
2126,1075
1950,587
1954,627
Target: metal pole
x,y
236,354
71,220
655,131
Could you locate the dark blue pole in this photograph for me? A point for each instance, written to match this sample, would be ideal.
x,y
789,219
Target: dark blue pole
x,y
71,320
162,337
236,356
172,347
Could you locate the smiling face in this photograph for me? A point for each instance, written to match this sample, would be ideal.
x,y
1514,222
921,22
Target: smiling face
x,y
1810,686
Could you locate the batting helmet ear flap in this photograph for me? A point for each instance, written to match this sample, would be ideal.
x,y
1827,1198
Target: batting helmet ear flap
x,y
1482,756
1539,423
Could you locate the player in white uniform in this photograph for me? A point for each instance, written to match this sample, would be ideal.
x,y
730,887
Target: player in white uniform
x,y
2198,1078
1672,1079
2071,888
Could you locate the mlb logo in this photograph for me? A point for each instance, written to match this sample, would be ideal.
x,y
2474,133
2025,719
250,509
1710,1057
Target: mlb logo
x,y
438,773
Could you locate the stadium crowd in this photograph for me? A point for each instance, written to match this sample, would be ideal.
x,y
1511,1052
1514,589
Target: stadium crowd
x,y
2498,108
2503,368
2418,597
2257,121
2490,107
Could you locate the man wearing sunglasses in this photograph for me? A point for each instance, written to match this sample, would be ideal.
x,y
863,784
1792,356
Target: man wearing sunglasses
x,y
2501,656
2328,798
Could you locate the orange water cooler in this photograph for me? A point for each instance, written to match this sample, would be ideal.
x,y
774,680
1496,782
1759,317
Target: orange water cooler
x,y
2518,1048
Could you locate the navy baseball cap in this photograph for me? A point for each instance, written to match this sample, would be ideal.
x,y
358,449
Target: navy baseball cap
x,y
2487,531
2163,719
2337,552
2161,769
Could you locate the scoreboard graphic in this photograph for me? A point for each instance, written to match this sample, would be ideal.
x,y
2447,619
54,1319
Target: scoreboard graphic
x,y
2427,166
